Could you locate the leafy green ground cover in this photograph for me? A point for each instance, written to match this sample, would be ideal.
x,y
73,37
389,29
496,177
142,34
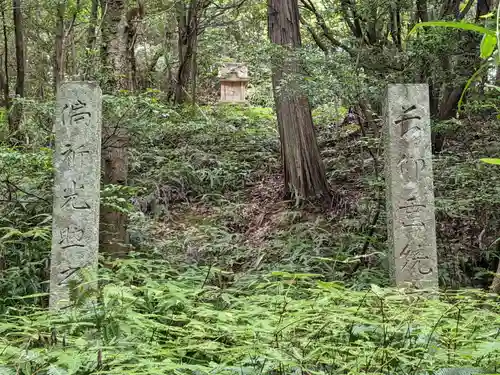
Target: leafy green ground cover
x,y
232,280
152,319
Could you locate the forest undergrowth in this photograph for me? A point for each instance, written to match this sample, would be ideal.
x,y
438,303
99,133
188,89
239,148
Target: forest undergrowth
x,y
226,277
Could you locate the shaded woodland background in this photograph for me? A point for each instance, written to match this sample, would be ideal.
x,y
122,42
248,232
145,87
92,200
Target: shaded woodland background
x,y
218,255
189,162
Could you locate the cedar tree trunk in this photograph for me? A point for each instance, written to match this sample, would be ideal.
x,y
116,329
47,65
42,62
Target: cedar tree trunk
x,y
304,173
113,225
17,109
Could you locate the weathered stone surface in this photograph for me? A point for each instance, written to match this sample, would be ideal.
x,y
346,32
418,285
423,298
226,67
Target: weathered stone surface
x,y
409,186
233,83
235,71
77,160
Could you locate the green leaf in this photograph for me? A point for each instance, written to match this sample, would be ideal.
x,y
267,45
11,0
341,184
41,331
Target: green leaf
x,y
488,44
490,161
492,87
460,371
35,295
54,370
378,291
4,370
454,25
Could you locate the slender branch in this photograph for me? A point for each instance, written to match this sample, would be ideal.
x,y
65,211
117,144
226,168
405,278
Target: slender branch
x,y
422,11
307,4
315,36
11,184
466,10
73,19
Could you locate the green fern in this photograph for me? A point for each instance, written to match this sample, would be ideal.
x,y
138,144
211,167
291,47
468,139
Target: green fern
x,y
461,371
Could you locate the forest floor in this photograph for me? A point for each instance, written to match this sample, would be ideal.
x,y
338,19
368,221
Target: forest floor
x,y
227,278
219,198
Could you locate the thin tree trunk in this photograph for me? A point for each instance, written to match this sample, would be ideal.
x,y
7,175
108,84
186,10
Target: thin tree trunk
x,y
91,30
495,285
304,173
194,71
58,70
497,76
182,51
131,29
113,224
17,110
3,82
6,90
114,38
187,38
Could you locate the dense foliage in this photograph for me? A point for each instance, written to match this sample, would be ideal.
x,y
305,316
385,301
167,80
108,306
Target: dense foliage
x,y
224,275
153,319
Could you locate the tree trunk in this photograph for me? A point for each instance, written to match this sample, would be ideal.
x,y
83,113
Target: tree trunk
x,y
91,37
113,224
464,65
113,230
131,30
58,70
17,110
89,67
495,285
304,173
187,26
6,89
114,38
3,83
194,71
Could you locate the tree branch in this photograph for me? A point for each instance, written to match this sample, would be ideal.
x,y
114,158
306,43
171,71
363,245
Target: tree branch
x,y
324,27
466,10
422,12
315,36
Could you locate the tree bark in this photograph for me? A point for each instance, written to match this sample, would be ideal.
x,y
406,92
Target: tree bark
x,y
304,173
114,38
91,37
58,70
113,224
6,89
194,71
188,30
464,65
183,52
495,285
89,68
131,19
17,109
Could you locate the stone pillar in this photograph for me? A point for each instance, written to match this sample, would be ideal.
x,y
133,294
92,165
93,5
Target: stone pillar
x,y
409,186
77,161
233,83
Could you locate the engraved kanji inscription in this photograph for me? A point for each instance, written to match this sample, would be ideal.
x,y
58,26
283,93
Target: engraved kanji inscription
x,y
409,182
415,259
67,273
75,155
409,129
412,211
411,168
73,199
76,114
71,236
77,173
